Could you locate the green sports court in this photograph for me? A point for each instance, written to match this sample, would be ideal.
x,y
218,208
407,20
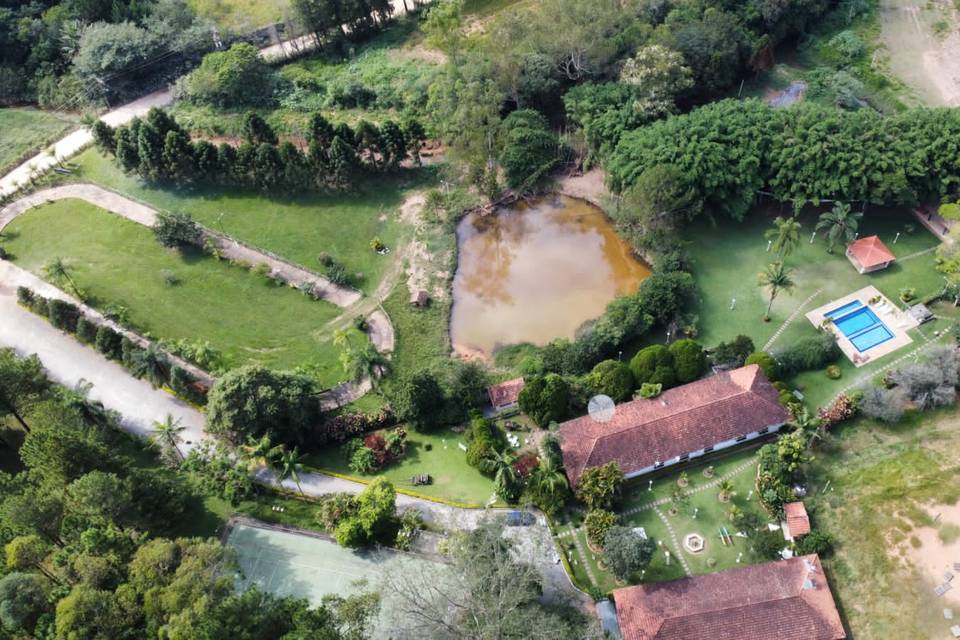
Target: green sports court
x,y
305,566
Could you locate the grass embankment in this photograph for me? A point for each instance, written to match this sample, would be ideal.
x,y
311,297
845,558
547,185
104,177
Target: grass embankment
x,y
880,479
26,131
727,260
437,454
296,228
242,16
117,262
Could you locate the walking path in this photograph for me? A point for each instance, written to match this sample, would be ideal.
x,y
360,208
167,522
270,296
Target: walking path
x,y
380,329
793,316
678,554
699,488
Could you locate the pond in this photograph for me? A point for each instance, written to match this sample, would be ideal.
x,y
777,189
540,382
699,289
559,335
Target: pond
x,y
535,272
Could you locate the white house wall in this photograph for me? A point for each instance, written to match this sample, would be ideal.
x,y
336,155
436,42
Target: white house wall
x,y
726,444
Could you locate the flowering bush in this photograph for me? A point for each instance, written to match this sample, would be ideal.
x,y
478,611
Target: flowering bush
x,y
843,408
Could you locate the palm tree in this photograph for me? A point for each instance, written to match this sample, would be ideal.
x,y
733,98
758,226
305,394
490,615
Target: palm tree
x,y
726,490
261,453
549,477
90,412
840,224
776,278
505,476
785,235
290,467
152,364
58,271
167,434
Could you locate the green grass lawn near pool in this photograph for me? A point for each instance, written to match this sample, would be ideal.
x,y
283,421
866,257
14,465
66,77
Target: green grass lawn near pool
x,y
26,130
246,318
297,228
446,462
727,260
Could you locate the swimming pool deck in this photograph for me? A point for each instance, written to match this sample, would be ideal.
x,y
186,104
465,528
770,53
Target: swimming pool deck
x,y
896,320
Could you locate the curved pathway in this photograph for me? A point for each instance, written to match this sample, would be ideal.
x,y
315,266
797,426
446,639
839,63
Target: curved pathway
x,y
380,330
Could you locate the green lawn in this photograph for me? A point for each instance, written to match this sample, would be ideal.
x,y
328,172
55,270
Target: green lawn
x,y
299,229
453,478
727,260
881,478
118,262
711,514
26,130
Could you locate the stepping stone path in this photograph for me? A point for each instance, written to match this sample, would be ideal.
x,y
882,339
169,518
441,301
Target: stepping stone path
x,y
675,555
789,320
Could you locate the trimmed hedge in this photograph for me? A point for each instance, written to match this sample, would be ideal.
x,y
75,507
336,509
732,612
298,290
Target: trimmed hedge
x,y
813,352
770,367
86,330
63,315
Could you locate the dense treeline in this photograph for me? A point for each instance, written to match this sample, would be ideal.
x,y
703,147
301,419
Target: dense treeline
x,y
87,536
158,148
65,54
721,155
681,51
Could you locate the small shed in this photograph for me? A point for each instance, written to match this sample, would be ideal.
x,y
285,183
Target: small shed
x,y
505,394
420,298
797,521
870,254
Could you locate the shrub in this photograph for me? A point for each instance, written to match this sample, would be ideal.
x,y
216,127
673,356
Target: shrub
x,y
109,342
25,296
130,352
650,390
612,378
599,487
176,230
653,364
689,360
363,460
816,541
341,427
187,387
598,523
63,315
545,399
733,353
834,372
483,439
907,294
808,353
769,366
237,76
843,408
87,330
927,384
169,277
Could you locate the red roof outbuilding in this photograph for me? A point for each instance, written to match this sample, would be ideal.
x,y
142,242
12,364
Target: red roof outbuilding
x,y
870,252
682,420
798,522
506,393
782,600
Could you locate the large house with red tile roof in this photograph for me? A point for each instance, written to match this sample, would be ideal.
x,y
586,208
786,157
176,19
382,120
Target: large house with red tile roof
x,y
780,600
685,422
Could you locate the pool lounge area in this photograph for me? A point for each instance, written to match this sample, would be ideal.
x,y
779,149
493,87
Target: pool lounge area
x,y
867,324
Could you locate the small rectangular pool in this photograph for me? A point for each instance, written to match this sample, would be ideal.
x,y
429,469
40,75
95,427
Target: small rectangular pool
x,y
860,325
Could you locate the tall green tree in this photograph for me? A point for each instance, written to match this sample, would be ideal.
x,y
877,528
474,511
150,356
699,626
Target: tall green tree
x,y
166,434
290,465
775,278
784,236
501,465
23,383
840,224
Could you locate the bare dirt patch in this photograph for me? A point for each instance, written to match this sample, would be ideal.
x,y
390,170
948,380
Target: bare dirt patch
x,y
939,548
590,186
923,55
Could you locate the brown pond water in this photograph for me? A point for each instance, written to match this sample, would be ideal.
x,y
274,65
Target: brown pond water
x,y
532,273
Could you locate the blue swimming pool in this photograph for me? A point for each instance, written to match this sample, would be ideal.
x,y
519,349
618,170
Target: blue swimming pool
x,y
860,325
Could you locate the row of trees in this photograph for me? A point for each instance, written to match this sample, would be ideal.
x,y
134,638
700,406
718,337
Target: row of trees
x,y
85,537
720,156
158,148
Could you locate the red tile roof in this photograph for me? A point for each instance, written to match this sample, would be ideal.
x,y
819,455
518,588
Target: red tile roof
x,y
798,523
680,421
870,252
505,393
762,602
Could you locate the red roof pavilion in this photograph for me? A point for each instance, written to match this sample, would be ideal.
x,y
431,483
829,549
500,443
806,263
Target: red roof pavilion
x,y
870,254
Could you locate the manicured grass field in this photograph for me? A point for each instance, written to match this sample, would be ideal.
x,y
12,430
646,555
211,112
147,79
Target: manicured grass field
x,y
453,478
118,262
299,229
711,514
27,130
727,260
885,481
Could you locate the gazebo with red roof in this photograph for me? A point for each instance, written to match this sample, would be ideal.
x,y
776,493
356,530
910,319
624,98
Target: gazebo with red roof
x,y
870,254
